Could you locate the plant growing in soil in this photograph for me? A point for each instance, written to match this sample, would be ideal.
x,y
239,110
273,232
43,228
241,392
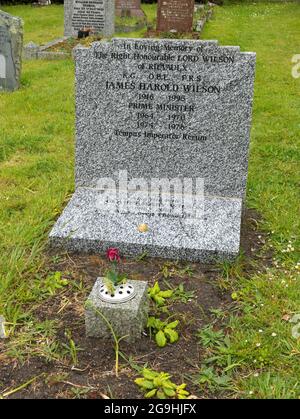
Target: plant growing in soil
x,y
112,276
116,339
159,296
163,330
159,385
180,294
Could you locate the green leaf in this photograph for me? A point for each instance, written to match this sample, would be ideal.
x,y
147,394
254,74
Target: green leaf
x,y
156,288
157,381
170,385
150,393
151,322
172,335
159,300
148,385
161,394
158,324
149,375
121,279
173,324
166,294
183,393
169,392
161,339
139,381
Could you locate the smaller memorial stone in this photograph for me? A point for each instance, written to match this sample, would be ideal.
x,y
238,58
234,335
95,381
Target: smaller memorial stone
x,y
11,43
96,15
127,319
129,8
175,15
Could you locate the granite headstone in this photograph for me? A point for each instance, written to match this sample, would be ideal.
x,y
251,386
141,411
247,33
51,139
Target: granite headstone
x,y
153,110
98,15
129,8
175,15
11,43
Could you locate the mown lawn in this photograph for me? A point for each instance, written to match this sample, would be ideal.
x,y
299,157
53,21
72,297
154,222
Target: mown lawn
x,y
41,24
45,24
258,357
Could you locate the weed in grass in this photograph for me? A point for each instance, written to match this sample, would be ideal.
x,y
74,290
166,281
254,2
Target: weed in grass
x,y
218,313
53,379
208,378
209,337
35,340
171,269
180,294
80,392
54,282
70,348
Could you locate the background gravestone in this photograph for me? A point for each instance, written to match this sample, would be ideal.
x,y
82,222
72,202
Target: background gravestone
x,y
129,8
96,14
175,15
11,43
160,109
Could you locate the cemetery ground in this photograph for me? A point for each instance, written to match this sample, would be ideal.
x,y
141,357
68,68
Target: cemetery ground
x,y
234,319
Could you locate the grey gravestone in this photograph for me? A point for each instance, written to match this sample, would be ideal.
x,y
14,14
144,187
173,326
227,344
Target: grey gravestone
x,y
127,319
11,43
96,14
152,110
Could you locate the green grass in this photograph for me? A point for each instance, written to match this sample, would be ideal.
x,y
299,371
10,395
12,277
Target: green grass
x,y
260,358
271,30
41,25
36,172
268,365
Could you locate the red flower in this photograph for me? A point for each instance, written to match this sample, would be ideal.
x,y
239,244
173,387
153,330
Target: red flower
x,y
113,255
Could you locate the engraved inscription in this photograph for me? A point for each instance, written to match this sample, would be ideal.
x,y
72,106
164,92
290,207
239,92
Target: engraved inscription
x,y
89,13
164,87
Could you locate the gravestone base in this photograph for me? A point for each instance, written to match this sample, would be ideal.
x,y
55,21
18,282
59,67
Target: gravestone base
x,y
127,319
84,228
